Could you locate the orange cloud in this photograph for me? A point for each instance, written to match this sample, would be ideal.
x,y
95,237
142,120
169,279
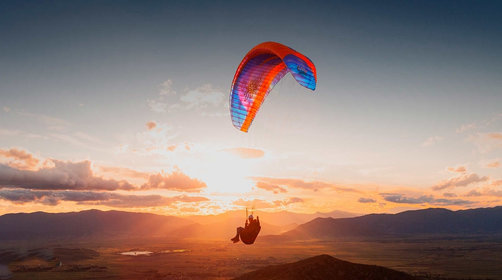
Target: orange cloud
x,y
151,125
124,172
459,169
487,141
461,181
270,187
301,184
495,135
263,204
246,152
22,159
61,176
176,181
493,164
111,199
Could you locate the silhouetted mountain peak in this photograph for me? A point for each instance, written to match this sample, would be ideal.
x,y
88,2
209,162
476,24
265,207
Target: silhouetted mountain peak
x,y
325,267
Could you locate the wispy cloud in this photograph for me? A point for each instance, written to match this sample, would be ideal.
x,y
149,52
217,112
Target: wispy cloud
x,y
246,152
94,198
487,142
493,164
202,97
263,204
366,200
51,123
458,169
460,181
151,125
20,158
486,191
175,181
124,172
301,184
424,199
466,127
270,187
431,141
160,104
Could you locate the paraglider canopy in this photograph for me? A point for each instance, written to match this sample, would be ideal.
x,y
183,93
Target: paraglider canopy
x,y
259,71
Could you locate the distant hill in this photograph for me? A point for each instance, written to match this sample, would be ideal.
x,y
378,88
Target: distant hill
x,y
222,226
90,223
325,267
282,218
427,221
225,230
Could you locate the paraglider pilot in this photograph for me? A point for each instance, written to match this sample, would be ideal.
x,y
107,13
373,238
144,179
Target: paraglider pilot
x,y
249,232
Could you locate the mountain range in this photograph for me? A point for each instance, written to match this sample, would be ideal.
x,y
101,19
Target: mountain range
x,y
282,225
432,221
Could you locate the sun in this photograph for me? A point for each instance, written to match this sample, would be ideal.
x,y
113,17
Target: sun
x,y
223,172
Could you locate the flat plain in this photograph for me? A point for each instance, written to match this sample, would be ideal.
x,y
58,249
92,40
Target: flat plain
x,y
425,257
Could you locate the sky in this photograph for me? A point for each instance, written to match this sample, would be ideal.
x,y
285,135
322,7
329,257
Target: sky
x,y
124,105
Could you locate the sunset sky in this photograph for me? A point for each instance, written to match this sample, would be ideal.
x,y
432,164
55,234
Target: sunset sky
x,y
124,105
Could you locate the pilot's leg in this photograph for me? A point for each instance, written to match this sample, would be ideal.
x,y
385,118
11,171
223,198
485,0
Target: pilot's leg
x,y
236,238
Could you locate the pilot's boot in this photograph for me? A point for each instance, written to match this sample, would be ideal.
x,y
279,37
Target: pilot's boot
x,y
235,239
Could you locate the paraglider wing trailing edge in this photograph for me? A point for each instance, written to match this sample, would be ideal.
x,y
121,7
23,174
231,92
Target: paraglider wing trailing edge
x,y
263,67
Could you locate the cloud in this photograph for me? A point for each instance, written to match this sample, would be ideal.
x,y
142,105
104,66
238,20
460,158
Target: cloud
x,y
175,181
6,109
255,203
466,127
62,176
487,141
493,164
166,88
157,106
459,169
246,152
124,172
263,204
151,125
496,183
486,191
94,198
52,123
460,181
450,195
22,159
292,200
301,184
424,199
495,135
160,104
432,141
202,97
366,200
270,187
152,142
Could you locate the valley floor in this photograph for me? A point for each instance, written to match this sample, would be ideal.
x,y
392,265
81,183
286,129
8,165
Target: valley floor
x,y
431,258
